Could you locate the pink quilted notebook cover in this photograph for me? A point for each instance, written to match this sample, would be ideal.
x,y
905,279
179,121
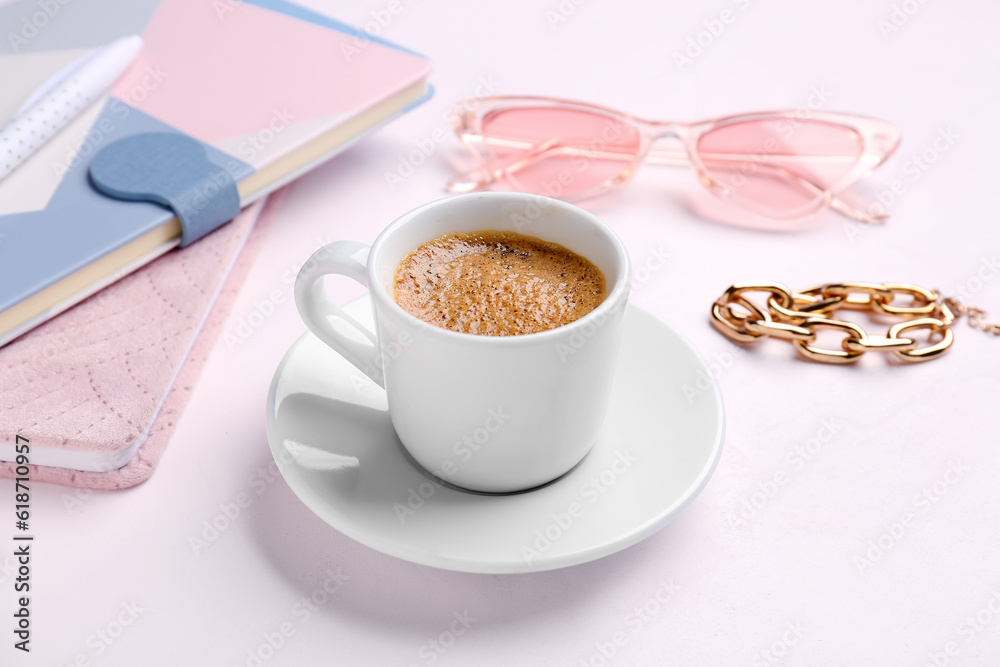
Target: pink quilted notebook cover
x,y
98,389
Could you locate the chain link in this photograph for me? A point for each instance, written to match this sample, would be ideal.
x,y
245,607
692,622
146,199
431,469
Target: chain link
x,y
976,316
796,316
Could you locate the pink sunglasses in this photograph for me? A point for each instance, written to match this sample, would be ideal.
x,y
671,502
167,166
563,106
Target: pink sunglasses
x,y
775,163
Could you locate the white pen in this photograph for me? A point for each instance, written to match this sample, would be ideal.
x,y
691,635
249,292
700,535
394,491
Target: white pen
x,y
62,98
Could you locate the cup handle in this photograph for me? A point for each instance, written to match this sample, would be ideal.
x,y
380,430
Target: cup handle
x,y
345,258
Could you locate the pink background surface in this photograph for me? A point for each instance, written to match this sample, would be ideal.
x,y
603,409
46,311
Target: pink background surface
x,y
891,432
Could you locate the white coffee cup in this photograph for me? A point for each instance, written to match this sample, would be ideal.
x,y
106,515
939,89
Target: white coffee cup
x,y
486,413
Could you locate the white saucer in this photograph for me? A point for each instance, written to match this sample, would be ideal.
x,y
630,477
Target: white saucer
x,y
659,447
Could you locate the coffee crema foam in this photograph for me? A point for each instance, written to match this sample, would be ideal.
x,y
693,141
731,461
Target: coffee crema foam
x,y
497,283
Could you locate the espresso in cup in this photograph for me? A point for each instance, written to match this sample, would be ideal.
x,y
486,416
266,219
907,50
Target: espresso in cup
x,y
442,387
497,283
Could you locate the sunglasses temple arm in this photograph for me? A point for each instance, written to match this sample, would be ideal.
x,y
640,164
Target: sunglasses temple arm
x,y
836,201
483,176
488,173
873,216
477,178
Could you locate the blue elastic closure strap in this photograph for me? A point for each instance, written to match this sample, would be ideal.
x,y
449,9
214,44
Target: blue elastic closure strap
x,y
173,170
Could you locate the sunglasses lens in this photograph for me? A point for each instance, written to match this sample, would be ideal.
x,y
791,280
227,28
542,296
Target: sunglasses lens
x,y
558,152
781,167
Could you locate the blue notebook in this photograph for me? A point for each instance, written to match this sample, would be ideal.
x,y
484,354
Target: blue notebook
x,y
265,111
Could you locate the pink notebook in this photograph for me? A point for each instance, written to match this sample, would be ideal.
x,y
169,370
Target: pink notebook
x,y
97,390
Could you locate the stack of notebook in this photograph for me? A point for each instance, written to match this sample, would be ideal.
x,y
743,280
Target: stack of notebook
x,y
264,85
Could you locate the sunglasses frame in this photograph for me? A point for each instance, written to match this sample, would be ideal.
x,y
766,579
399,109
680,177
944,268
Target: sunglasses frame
x,y
879,139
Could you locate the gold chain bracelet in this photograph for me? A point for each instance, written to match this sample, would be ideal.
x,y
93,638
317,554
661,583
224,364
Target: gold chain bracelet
x,y
796,316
